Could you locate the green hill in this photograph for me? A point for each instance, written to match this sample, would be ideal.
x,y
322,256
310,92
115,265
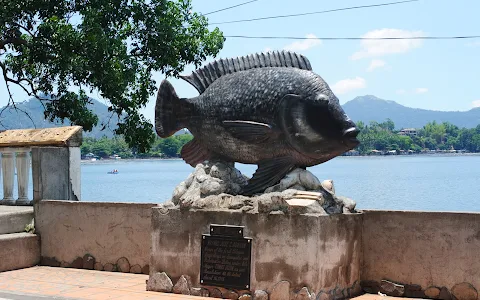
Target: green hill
x,y
370,108
29,114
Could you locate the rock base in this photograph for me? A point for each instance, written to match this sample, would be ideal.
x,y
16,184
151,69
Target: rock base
x,y
160,282
460,291
217,185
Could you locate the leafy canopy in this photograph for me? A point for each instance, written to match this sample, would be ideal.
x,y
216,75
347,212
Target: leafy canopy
x,y
441,136
65,48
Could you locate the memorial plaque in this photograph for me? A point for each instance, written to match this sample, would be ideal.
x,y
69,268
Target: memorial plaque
x,y
226,230
226,260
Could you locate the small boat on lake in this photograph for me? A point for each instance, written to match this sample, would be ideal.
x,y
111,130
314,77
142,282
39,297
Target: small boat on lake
x,y
113,172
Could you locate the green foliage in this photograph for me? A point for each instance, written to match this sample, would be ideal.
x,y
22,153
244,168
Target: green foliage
x,y
104,147
65,48
433,136
30,228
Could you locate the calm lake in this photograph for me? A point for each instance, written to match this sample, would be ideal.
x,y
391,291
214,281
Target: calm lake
x,y
423,182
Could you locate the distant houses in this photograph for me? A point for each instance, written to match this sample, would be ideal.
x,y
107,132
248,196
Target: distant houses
x,y
351,153
89,156
375,152
408,132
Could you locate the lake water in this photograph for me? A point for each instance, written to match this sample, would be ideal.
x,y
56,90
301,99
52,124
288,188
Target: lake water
x,y
423,182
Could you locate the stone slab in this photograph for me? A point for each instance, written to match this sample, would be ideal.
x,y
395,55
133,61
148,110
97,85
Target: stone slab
x,y
66,136
13,219
19,250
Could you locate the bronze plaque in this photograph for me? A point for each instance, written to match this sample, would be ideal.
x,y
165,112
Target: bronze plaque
x,y
225,261
226,230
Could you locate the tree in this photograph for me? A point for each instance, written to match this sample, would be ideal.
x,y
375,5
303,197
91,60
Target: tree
x,y
170,146
58,50
435,131
387,125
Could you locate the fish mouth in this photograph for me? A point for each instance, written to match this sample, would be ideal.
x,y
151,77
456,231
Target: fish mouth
x,y
350,137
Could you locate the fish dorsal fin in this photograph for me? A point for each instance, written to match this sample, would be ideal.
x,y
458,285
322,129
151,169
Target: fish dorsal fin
x,y
203,77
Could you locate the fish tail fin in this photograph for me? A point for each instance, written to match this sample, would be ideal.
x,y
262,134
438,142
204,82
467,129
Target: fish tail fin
x,y
171,112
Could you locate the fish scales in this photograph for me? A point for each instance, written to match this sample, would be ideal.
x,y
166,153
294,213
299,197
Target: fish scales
x,y
268,109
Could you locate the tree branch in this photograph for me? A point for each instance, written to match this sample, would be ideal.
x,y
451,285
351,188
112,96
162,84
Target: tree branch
x,y
12,40
24,28
33,92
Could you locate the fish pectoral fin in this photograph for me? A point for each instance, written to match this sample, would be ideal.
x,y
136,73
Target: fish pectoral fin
x,y
269,173
195,152
250,131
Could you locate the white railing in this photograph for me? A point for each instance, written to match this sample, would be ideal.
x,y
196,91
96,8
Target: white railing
x,y
15,159
53,157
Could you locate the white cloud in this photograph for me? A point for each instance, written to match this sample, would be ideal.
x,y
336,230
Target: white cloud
x,y
375,64
401,91
421,90
267,49
476,103
474,44
347,85
374,48
304,44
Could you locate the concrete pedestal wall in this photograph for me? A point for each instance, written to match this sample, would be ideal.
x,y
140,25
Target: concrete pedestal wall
x,y
318,252
413,254
116,235
431,249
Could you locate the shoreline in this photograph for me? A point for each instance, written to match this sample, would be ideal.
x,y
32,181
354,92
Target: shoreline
x,y
108,160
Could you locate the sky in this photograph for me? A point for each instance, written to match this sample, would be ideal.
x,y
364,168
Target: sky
x,y
430,74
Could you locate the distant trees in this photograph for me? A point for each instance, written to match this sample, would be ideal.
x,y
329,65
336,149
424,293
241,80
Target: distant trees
x,y
374,136
433,136
105,147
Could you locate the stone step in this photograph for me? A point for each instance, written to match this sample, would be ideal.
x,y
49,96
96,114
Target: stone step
x,y
19,250
13,219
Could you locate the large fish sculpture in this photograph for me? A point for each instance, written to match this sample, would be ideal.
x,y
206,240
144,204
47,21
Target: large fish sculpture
x,y
268,109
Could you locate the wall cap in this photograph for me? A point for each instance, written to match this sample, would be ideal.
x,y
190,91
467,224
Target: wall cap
x,y
66,136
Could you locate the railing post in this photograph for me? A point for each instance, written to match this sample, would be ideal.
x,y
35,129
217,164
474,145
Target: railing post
x,y
8,171
56,173
23,174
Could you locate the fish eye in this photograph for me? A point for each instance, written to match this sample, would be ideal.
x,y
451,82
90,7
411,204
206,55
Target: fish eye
x,y
321,119
322,99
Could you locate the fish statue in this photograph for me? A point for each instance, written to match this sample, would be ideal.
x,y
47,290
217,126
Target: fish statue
x,y
268,109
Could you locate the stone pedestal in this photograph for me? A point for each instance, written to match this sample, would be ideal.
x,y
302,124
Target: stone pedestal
x,y
56,173
310,253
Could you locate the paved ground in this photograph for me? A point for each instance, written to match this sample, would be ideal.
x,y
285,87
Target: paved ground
x,y
62,283
380,297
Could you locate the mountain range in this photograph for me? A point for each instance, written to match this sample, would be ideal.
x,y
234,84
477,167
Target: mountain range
x,y
29,114
364,108
370,108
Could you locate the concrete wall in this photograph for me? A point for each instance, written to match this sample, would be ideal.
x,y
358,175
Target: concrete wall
x,y
318,252
438,251
107,231
424,248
